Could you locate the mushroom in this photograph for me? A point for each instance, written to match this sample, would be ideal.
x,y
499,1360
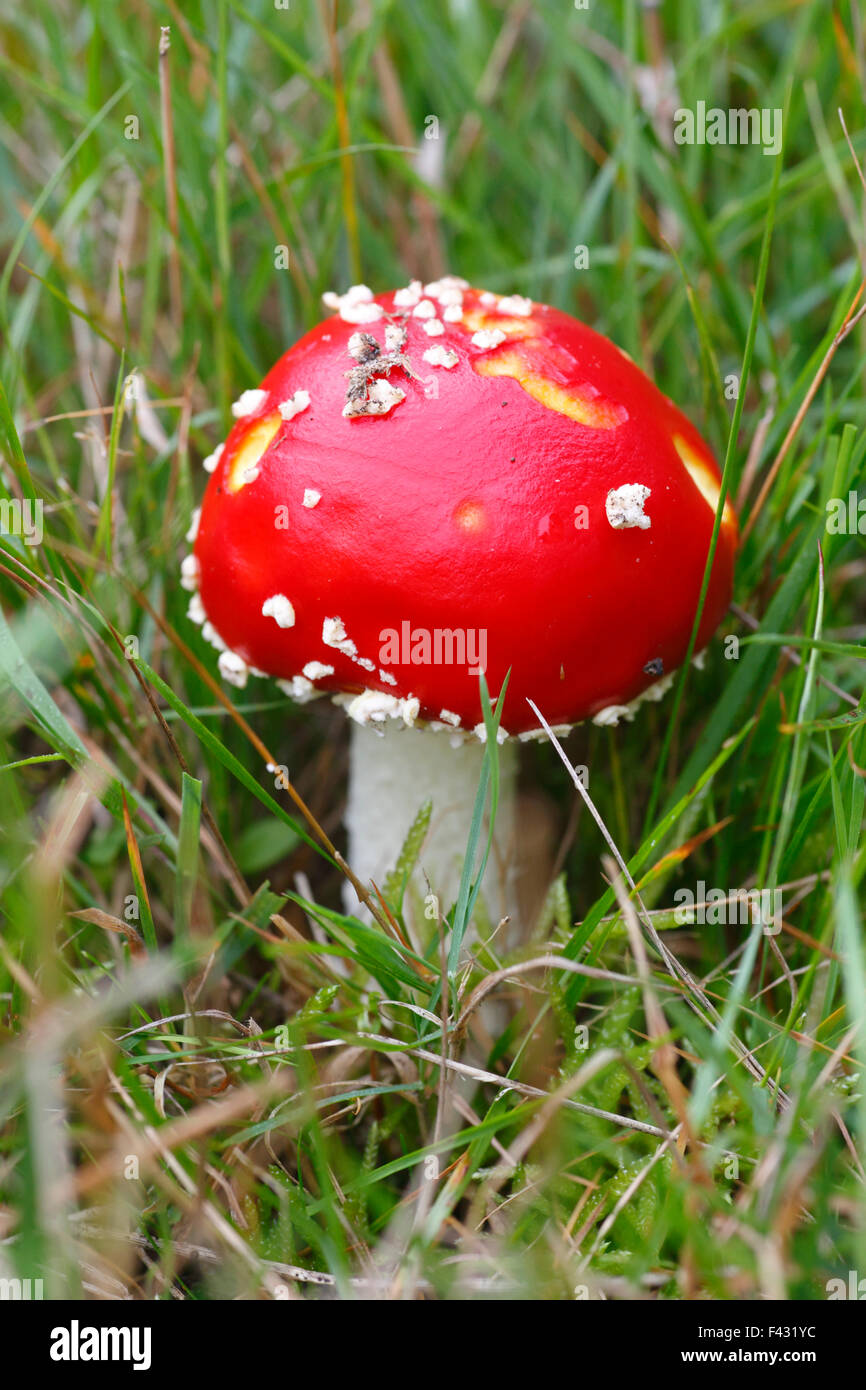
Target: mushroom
x,y
436,482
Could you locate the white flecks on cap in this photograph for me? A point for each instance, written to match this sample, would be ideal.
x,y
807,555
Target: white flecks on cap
x,y
195,610
311,497
210,634
488,337
560,730
434,328
480,732
374,706
361,345
381,397
425,310
487,299
624,506
300,689
408,298
453,314
611,715
355,294
361,313
449,297
516,305
334,635
449,717
355,306
395,337
317,670
213,459
387,677
657,690
192,533
248,403
365,661
233,669
280,609
448,284
190,572
294,405
441,357
409,709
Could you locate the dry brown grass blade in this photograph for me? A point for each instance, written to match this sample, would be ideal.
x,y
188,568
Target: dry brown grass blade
x,y
97,918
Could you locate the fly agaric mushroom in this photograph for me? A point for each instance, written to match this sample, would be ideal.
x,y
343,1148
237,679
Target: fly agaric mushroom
x,y
438,481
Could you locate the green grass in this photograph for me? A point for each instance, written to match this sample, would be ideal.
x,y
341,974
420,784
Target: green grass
x,y
201,1097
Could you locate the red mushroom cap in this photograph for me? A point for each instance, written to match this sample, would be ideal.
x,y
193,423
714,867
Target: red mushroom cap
x,y
504,488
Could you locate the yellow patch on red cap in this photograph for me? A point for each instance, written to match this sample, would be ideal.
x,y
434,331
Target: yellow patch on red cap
x,y
470,516
704,478
477,321
247,454
578,404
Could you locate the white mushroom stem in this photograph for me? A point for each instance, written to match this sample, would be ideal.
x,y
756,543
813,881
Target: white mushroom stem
x,y
391,774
